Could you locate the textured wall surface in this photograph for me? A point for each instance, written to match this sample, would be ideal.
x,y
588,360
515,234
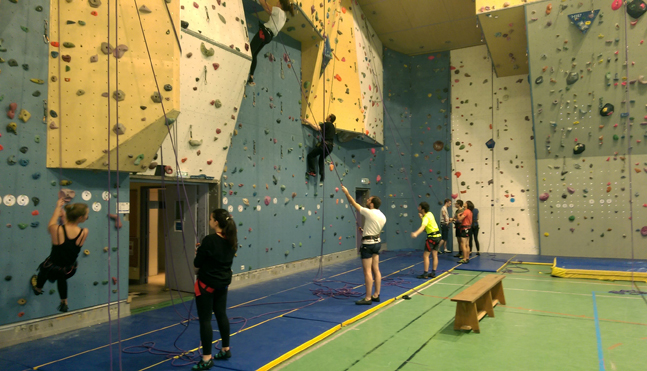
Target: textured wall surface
x,y
596,198
500,182
417,115
267,161
84,81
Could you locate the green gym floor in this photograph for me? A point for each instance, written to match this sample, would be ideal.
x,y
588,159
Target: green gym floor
x,y
548,324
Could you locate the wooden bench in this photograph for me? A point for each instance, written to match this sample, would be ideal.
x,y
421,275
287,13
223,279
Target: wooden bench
x,y
476,301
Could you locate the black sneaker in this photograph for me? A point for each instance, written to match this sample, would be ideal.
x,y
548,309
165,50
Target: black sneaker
x,y
478,253
432,275
62,308
364,302
224,354
34,281
377,300
202,365
423,276
458,255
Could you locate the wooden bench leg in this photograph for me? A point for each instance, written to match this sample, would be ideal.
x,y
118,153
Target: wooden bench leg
x,y
497,293
466,317
485,304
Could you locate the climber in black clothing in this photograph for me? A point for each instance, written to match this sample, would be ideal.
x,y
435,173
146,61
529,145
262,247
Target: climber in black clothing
x,y
61,263
213,261
323,148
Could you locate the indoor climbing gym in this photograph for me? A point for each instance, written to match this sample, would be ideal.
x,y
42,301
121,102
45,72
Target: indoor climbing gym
x,y
323,185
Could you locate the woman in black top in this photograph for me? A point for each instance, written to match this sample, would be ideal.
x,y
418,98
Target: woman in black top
x,y
328,134
61,263
213,261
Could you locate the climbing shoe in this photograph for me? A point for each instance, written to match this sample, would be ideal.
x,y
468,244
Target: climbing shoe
x,y
377,300
363,302
224,354
423,276
202,365
63,307
34,281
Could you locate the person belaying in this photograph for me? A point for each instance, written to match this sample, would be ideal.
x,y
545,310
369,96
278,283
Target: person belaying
x,y
268,30
61,263
432,243
323,148
213,261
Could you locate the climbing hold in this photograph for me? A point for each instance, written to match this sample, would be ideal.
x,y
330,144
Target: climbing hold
x,y
571,218
86,252
206,52
607,110
570,190
579,148
184,24
69,45
22,301
616,4
39,8
35,200
81,161
546,234
643,231
267,200
95,3
246,202
37,81
7,278
222,19
539,80
35,176
168,87
94,58
544,196
53,125
80,92
12,63
139,159
23,149
156,97
22,226
24,162
66,58
168,169
118,95
36,93
106,48
119,129
572,78
195,142
218,104
54,54
66,182
119,51
144,9
12,127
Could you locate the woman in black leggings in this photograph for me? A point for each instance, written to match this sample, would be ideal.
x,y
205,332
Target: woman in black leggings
x,y
213,261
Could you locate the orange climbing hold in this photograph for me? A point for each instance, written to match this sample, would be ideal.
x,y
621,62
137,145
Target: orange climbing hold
x,y
458,174
608,189
343,10
332,167
338,77
549,8
55,44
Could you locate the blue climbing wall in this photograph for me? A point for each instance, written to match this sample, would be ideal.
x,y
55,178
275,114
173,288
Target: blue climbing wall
x,y
24,241
416,115
267,158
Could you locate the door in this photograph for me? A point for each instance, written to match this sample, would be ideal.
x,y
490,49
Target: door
x,y
179,235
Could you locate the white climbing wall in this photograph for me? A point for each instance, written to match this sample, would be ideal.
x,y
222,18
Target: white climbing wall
x,y
211,90
370,74
501,183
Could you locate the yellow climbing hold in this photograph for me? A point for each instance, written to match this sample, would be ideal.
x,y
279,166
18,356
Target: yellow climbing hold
x,y
546,234
37,81
86,252
575,122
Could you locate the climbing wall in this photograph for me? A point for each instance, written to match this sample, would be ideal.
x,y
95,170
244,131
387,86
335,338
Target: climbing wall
x,y
500,182
280,215
417,116
504,32
104,106
338,90
28,190
585,57
369,70
213,69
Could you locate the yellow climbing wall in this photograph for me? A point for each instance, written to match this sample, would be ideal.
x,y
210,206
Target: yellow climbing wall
x,y
342,95
505,35
482,5
82,110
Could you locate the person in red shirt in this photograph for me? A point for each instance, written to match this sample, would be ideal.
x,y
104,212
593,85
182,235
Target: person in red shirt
x,y
464,231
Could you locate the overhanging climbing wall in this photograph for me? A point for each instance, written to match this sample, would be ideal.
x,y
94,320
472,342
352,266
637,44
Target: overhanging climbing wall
x,y
213,70
500,182
505,34
84,101
577,67
370,73
338,88
417,115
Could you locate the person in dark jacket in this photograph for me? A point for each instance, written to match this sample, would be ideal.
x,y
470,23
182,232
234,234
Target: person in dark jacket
x,y
323,148
213,261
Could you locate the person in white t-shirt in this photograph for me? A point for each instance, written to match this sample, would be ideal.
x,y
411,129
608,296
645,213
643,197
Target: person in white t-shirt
x,y
374,221
268,31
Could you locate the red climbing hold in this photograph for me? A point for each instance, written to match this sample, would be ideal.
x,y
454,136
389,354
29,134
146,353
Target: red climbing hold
x,y
373,150
184,160
378,178
209,162
338,77
616,4
218,131
114,280
458,174
94,13
35,212
55,44
215,66
431,57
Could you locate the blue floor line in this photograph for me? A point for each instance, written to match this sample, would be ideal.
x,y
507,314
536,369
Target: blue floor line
x,y
597,334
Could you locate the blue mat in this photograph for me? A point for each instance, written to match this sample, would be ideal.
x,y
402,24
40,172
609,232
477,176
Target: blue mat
x,y
622,265
270,339
485,262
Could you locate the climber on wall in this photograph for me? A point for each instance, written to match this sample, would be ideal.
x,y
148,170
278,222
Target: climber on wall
x,y
61,263
323,148
268,31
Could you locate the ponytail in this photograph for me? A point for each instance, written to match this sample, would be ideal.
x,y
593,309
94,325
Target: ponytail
x,y
75,211
228,225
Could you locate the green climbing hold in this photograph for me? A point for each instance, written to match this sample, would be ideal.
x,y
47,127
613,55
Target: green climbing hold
x,y
69,45
462,147
38,8
37,139
22,225
303,221
67,68
306,85
615,137
139,159
81,23
222,19
36,93
206,52
53,183
571,218
26,29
